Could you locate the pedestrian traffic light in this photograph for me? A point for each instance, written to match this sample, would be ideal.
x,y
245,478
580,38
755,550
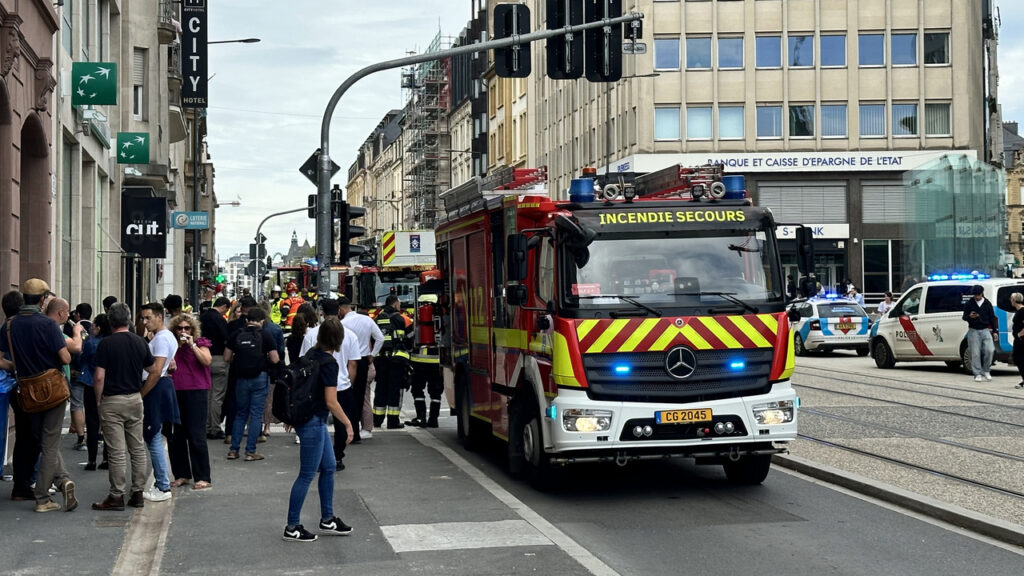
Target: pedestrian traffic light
x,y
512,20
348,231
311,205
604,44
565,52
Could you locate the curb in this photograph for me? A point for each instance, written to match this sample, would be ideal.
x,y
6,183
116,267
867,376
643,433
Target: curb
x,y
968,519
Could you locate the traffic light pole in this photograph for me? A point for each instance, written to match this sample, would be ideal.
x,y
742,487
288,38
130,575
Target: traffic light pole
x,y
258,286
323,205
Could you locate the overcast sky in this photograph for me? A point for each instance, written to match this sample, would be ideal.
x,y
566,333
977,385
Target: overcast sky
x,y
267,100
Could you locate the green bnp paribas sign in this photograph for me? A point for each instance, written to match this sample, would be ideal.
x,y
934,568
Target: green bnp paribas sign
x,y
93,83
133,148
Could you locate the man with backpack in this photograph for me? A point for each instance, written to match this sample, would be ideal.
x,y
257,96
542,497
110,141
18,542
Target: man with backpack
x,y
248,351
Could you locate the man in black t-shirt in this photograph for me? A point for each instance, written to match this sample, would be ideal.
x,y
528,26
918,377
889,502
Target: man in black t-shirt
x,y
215,328
120,361
250,350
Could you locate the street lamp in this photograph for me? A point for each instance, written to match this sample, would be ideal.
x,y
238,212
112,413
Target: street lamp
x,y
196,238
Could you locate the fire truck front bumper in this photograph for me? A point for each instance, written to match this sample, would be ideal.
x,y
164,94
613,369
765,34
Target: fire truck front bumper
x,y
580,429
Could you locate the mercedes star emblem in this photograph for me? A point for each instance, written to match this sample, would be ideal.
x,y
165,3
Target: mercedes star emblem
x,y
680,362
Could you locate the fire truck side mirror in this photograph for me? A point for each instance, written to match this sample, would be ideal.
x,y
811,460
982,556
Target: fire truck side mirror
x,y
516,257
517,295
805,250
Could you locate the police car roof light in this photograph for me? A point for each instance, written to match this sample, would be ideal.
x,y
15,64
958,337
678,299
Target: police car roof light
x,y
971,276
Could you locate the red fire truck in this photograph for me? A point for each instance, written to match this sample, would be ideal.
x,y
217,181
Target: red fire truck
x,y
644,321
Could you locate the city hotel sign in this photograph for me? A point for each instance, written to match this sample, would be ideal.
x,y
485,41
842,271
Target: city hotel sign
x,y
792,162
193,54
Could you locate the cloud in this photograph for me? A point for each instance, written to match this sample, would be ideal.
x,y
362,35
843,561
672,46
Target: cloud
x,y
268,99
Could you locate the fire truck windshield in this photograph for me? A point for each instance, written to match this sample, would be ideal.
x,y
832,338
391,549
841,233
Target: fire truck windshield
x,y
681,269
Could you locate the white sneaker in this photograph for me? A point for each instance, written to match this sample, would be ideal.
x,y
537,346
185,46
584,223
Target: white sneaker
x,y
365,434
978,378
156,495
987,376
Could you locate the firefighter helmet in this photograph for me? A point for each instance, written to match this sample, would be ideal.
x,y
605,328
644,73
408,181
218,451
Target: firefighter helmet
x,y
292,287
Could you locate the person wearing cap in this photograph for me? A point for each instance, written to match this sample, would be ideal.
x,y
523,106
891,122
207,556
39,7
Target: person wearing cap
x,y
275,304
982,329
40,347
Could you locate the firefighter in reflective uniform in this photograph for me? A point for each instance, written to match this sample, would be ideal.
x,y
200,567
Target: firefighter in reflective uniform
x,y
426,366
275,304
290,305
392,365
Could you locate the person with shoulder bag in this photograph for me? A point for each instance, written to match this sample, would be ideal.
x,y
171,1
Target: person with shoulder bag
x,y
43,392
248,351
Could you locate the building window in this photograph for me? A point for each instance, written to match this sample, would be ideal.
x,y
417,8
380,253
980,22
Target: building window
x,y
730,52
833,120
698,123
666,123
139,84
833,51
769,121
666,53
872,49
67,15
801,51
801,121
86,25
936,119
698,53
769,52
730,122
904,49
872,120
936,48
904,119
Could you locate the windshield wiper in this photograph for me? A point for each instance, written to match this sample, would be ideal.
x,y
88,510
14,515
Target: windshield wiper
x,y
739,248
629,299
730,296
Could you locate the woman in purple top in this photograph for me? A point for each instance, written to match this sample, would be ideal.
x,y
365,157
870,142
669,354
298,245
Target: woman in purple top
x,y
189,455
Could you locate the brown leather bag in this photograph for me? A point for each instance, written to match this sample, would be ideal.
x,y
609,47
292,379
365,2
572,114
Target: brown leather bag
x,y
41,392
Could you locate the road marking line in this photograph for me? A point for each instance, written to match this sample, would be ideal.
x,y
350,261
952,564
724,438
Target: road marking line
x,y
144,540
552,533
462,535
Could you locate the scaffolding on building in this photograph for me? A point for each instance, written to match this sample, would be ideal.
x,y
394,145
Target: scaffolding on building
x,y
427,152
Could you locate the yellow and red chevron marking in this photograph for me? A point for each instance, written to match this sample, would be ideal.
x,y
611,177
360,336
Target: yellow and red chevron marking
x,y
387,247
659,334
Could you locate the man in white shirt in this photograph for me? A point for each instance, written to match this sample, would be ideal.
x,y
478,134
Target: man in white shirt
x,y
370,341
347,358
158,398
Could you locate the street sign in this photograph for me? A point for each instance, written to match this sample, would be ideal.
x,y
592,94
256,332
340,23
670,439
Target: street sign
x,y
257,251
634,48
311,167
190,220
256,268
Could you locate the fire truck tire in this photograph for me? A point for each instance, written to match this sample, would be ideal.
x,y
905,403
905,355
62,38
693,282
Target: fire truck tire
x,y
471,432
527,457
749,470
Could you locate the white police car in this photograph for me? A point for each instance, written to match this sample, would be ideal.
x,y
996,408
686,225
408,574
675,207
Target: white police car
x,y
826,323
927,323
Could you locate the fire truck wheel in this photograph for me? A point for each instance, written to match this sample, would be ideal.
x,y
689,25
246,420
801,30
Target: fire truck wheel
x,y
526,447
752,469
471,432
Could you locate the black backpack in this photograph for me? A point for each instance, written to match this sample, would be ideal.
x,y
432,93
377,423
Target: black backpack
x,y
298,394
248,353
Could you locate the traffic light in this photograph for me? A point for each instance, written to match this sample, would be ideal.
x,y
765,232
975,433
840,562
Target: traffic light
x,y
565,52
311,205
350,231
604,44
510,20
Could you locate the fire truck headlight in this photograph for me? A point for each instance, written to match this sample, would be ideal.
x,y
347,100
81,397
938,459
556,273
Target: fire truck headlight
x,y
774,413
586,420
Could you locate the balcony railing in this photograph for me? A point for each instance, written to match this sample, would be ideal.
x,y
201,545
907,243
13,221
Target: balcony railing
x,y
174,77
166,26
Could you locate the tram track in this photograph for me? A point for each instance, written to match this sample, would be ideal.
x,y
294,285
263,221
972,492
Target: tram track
x,y
902,463
987,394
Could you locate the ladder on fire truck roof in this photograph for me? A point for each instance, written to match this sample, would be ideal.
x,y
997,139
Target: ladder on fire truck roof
x,y
475,192
678,181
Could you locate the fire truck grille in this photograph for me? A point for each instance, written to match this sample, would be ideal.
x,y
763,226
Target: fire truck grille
x,y
643,377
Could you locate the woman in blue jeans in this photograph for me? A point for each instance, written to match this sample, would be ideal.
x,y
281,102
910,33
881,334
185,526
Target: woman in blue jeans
x,y
316,452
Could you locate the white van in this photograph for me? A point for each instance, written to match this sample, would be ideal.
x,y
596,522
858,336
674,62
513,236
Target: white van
x,y
927,322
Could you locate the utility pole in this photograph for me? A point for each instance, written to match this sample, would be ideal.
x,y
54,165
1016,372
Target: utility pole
x,y
323,206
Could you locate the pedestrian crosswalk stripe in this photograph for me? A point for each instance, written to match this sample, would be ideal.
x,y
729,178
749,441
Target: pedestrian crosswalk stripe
x,y
463,535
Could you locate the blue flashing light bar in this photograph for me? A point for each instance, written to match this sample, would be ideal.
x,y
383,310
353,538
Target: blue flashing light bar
x,y
738,365
971,276
622,369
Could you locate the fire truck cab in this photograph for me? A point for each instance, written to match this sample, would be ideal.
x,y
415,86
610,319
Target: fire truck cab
x,y
616,327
